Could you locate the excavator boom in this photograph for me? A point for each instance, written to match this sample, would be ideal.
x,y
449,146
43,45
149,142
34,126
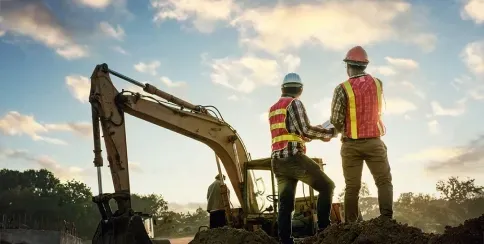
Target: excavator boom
x,y
109,107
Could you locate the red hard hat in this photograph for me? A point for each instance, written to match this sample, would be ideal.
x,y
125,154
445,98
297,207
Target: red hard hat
x,y
357,56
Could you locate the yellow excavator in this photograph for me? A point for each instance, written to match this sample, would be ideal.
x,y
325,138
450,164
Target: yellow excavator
x,y
202,123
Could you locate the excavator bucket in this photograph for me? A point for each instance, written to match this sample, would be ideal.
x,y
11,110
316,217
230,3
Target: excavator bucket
x,y
124,229
121,227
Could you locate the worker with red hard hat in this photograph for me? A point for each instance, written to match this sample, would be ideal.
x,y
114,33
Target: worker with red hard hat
x,y
356,114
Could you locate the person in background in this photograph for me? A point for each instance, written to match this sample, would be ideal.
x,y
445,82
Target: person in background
x,y
356,114
215,205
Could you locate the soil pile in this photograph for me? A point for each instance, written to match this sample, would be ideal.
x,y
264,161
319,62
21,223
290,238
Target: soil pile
x,y
374,231
471,232
233,236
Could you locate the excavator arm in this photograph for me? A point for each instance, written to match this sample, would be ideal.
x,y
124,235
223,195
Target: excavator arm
x,y
109,107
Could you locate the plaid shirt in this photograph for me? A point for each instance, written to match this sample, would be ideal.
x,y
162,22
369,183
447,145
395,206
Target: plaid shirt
x,y
339,105
297,122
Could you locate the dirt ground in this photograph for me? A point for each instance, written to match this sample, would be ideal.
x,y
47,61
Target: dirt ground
x,y
183,240
375,231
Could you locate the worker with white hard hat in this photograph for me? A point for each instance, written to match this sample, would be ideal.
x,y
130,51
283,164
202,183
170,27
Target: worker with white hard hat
x,y
290,130
356,114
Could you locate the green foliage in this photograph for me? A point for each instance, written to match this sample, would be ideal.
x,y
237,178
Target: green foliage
x,y
41,196
459,200
47,202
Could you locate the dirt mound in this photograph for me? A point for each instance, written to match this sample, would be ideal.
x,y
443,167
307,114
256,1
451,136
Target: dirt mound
x,y
374,231
471,232
233,236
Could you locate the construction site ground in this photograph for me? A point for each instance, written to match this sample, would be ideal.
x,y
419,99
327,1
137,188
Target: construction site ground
x,y
374,231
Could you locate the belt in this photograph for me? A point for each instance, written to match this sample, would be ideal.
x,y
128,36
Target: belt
x,y
347,139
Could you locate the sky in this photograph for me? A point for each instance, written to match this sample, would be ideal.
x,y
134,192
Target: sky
x,y
233,55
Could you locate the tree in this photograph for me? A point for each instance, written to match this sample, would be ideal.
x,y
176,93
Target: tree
x,y
152,203
459,190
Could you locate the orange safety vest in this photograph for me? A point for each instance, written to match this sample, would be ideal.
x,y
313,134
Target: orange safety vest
x,y
277,122
363,116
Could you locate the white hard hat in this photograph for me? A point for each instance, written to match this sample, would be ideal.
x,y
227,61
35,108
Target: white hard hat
x,y
292,80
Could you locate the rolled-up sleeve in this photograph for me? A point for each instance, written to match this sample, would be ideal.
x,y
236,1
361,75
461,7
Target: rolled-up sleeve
x,y
298,114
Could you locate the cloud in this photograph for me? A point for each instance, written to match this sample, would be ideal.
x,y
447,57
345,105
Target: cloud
x,y
473,57
314,23
477,93
79,86
108,30
324,107
119,6
473,10
384,70
149,68
62,172
184,208
246,73
120,50
171,83
135,167
233,98
203,14
16,124
292,62
35,20
433,154
264,117
473,88
83,129
398,106
413,88
138,89
394,66
96,4
433,127
402,63
438,110
464,159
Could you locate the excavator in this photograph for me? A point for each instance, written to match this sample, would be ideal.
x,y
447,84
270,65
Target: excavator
x,y
203,123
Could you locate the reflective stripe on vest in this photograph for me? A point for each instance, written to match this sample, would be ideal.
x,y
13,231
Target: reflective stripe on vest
x,y
353,110
279,131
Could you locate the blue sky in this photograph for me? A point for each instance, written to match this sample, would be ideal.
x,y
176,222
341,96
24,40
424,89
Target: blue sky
x,y
233,54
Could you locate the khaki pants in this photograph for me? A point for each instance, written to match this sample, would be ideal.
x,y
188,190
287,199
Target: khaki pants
x,y
374,152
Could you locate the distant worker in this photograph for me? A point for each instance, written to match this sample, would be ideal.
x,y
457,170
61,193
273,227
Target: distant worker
x,y
355,113
290,129
215,205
